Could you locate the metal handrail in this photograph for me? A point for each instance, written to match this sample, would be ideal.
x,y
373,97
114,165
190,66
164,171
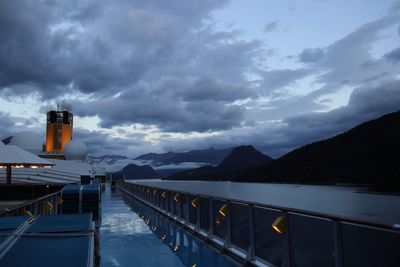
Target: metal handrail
x,y
145,194
29,203
286,209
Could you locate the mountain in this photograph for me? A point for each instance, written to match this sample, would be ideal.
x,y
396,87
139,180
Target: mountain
x,y
210,156
240,158
157,157
133,171
7,140
243,157
366,154
108,159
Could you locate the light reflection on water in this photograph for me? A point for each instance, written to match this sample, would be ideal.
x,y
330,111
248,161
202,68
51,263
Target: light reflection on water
x,y
126,239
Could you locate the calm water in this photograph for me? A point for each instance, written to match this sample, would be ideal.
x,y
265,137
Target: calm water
x,y
127,240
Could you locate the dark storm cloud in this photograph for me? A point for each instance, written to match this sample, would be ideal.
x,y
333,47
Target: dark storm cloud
x,y
7,125
279,79
87,46
206,89
100,143
343,60
167,115
121,55
393,55
271,26
311,55
276,139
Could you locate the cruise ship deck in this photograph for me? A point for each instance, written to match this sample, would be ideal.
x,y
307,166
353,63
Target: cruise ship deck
x,y
160,223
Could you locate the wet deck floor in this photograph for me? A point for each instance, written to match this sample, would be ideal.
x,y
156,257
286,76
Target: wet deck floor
x,y
126,239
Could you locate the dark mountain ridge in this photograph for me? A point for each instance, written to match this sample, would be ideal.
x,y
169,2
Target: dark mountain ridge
x,y
240,158
133,171
211,156
368,154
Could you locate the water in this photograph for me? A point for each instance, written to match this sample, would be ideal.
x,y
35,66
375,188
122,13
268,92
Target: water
x,y
127,240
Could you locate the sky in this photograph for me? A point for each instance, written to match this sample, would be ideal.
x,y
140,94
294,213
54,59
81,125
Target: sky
x,y
158,76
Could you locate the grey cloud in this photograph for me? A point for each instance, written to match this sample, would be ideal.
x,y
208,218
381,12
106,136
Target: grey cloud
x,y
271,26
163,112
311,55
393,55
100,143
90,47
342,60
278,79
209,89
276,138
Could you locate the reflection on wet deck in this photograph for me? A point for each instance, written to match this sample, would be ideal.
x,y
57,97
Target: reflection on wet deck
x,y
131,234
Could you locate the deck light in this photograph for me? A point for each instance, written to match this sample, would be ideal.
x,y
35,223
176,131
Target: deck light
x,y
194,265
148,190
47,206
28,213
279,225
154,228
163,237
224,210
164,194
59,200
176,248
155,192
195,202
176,197
34,167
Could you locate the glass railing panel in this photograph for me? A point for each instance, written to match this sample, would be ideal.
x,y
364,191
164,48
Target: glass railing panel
x,y
220,218
204,213
370,246
240,225
270,245
312,240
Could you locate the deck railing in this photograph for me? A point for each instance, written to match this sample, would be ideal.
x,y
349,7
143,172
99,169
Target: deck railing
x,y
266,235
48,204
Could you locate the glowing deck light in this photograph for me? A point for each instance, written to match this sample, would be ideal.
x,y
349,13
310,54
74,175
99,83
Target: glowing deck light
x,y
194,265
59,200
47,206
176,248
195,202
28,213
176,197
164,194
34,166
279,225
163,237
224,210
154,228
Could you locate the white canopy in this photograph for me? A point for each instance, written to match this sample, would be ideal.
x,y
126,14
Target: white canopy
x,y
17,156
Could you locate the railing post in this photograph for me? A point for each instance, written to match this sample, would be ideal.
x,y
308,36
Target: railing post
x,y
289,251
251,252
227,242
211,219
337,238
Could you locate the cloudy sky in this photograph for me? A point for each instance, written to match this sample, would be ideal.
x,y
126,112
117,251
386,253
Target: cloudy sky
x,y
151,75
